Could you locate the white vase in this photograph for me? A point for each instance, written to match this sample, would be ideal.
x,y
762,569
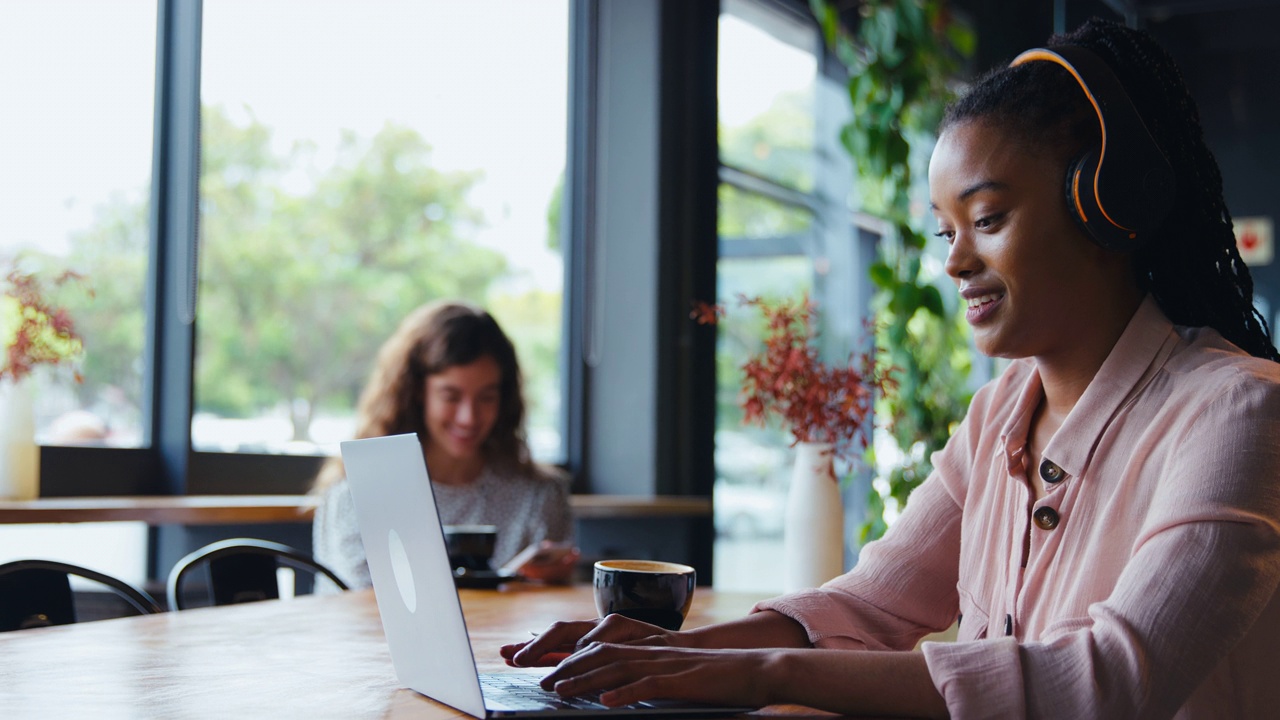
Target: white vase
x,y
19,454
813,536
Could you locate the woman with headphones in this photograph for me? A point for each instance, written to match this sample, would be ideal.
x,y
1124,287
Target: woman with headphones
x,y
1105,523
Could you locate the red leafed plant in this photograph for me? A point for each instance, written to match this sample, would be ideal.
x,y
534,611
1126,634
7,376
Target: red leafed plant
x,y
818,402
34,331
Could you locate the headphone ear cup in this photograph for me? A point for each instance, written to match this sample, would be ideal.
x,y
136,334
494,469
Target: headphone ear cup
x,y
1121,191
1082,201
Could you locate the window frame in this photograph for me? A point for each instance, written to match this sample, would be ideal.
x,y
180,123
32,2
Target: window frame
x,y
671,382
166,462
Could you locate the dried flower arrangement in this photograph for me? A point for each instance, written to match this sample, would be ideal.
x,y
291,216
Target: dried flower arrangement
x,y
819,403
33,330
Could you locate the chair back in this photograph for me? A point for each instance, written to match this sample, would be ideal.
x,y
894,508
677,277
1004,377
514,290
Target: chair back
x,y
37,593
241,570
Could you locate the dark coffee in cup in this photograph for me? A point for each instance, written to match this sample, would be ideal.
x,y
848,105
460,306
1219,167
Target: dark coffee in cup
x,y
658,593
470,547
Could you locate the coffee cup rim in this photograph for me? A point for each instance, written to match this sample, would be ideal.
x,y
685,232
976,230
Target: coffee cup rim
x,y
480,529
668,568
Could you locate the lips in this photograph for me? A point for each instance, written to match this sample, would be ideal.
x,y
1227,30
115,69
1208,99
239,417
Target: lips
x,y
980,304
466,439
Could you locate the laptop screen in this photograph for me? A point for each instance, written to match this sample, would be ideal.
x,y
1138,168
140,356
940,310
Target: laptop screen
x,y
409,565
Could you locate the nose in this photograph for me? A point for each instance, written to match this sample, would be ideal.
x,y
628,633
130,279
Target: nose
x,y
962,260
466,412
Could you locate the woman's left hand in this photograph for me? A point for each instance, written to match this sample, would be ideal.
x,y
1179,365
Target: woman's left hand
x,y
632,673
554,565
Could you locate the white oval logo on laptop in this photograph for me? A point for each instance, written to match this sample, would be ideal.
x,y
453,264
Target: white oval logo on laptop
x,y
404,574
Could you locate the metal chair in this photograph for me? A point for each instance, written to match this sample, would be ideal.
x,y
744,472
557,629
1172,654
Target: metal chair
x,y
37,593
241,570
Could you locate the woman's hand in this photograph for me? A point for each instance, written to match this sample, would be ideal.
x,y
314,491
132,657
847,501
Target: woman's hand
x,y
762,659
562,639
550,562
630,672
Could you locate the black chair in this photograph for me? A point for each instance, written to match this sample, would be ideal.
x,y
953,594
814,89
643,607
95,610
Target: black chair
x,y
37,593
241,570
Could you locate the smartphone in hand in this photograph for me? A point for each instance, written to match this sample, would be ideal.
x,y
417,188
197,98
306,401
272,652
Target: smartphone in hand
x,y
546,561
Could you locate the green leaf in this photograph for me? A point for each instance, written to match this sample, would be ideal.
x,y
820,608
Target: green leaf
x,y
897,151
849,137
882,275
882,31
906,298
911,18
914,241
931,300
827,18
962,38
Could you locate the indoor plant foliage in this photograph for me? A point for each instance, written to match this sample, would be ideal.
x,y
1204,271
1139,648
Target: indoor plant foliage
x,y
902,58
818,402
35,332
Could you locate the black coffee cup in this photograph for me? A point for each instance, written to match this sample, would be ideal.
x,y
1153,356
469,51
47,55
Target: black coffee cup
x,y
651,591
470,547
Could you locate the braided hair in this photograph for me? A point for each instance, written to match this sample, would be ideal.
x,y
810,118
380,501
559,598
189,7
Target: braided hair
x,y
1191,266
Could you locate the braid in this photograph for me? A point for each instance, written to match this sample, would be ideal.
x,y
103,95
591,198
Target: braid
x,y
1191,266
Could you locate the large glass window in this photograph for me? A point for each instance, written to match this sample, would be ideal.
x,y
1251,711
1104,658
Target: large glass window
x,y
785,231
358,160
77,84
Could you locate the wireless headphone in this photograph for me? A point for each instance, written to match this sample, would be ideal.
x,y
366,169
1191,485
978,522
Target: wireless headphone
x,y
1121,190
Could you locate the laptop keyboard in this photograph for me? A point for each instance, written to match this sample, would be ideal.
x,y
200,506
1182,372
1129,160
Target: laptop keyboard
x,y
521,693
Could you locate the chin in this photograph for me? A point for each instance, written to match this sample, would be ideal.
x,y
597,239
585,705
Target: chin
x,y
465,452
995,347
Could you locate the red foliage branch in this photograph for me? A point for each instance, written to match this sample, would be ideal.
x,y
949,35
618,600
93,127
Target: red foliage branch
x,y
818,402
45,335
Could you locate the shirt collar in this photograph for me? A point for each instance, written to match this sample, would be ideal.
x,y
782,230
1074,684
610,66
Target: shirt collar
x,y
1014,434
1138,355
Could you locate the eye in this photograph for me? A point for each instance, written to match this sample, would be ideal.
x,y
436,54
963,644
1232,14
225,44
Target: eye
x,y
988,221
948,235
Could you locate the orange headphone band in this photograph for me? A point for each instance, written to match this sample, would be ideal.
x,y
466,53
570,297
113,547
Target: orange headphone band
x,y
1133,183
1054,57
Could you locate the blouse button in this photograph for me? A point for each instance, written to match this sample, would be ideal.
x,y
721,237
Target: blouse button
x,y
1051,472
1046,518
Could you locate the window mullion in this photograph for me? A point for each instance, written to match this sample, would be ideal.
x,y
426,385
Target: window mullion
x,y
167,380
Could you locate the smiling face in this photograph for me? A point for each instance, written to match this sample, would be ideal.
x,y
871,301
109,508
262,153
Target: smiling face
x,y
462,406
1033,283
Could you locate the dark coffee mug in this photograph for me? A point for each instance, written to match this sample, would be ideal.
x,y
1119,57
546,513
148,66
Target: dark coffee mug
x,y
470,546
658,593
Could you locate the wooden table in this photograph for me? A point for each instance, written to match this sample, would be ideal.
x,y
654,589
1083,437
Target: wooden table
x,y
312,657
237,509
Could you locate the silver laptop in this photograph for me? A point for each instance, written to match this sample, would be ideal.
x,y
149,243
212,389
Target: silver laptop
x,y
421,613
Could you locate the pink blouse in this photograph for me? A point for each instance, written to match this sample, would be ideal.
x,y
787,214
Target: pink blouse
x,y
1146,589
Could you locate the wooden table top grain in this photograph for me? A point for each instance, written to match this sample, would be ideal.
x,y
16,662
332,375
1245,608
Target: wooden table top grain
x,y
312,657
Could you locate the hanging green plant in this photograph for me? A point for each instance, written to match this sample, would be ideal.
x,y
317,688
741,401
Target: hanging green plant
x,y
902,58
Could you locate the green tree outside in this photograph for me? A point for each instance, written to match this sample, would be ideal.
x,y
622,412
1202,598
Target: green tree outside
x,y
304,273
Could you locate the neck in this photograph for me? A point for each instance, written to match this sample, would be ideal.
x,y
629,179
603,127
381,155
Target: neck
x,y
448,470
1067,374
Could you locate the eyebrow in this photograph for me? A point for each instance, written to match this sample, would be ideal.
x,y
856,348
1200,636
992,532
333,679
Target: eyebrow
x,y
454,387
976,188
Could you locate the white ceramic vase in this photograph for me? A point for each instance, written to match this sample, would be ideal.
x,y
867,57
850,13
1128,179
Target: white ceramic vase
x,y
19,454
813,535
